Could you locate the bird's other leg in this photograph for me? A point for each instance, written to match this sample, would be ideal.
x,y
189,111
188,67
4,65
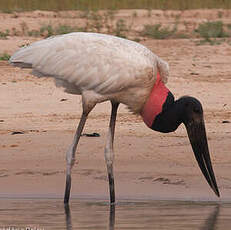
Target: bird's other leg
x,y
109,154
70,156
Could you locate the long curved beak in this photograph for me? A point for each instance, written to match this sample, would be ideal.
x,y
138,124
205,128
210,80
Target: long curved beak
x,y
197,136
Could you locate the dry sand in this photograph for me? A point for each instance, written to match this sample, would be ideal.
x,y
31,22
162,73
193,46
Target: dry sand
x,y
148,165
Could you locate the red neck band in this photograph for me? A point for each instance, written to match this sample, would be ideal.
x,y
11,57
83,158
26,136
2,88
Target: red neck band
x,y
154,103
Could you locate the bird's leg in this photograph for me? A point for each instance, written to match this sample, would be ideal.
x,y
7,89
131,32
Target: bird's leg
x,y
109,154
70,157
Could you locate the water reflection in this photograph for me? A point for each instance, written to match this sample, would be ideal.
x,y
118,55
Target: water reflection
x,y
68,216
112,217
69,222
150,215
209,224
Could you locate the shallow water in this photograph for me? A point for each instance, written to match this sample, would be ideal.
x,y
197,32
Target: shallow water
x,y
51,214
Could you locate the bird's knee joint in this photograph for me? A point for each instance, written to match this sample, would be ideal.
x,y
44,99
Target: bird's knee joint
x,y
70,162
109,156
109,163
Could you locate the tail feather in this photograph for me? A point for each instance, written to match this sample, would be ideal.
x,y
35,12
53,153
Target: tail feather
x,y
21,64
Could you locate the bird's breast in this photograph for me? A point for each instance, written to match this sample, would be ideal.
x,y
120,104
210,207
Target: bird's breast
x,y
155,102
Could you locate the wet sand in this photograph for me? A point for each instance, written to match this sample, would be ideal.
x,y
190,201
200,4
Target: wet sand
x,y
148,165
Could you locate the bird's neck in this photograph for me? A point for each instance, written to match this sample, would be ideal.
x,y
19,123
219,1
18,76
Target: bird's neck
x,y
155,102
161,112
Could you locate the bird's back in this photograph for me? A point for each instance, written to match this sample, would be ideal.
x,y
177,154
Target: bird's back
x,y
100,63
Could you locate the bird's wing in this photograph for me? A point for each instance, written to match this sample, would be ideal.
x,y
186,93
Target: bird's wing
x,y
104,64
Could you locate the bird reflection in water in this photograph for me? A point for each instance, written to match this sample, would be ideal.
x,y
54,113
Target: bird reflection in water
x,y
69,222
112,217
68,217
211,221
209,224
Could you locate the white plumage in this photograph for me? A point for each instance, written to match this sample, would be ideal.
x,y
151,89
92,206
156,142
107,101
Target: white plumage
x,y
111,68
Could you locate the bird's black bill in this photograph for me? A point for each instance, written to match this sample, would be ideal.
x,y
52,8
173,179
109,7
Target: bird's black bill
x,y
197,136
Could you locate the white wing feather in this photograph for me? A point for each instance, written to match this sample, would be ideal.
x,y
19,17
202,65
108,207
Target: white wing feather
x,y
90,61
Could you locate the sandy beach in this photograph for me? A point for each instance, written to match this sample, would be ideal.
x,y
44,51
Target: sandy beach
x,y
148,164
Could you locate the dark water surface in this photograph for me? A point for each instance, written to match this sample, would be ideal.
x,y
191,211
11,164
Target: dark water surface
x,y
20,5
52,214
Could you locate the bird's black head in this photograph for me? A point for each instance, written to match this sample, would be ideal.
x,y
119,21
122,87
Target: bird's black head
x,y
188,110
191,109
184,110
